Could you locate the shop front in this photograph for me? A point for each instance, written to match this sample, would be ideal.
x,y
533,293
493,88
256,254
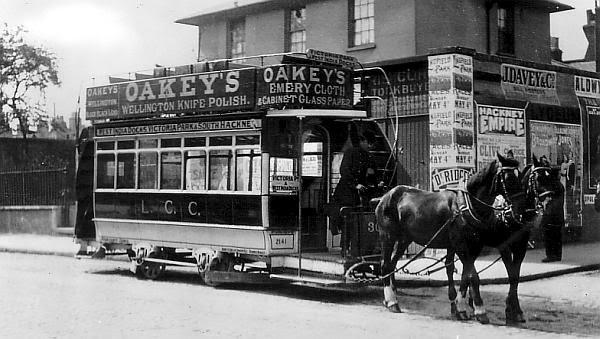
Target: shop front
x,y
480,105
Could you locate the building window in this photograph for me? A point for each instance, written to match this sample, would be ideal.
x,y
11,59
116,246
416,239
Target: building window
x,y
362,22
506,29
237,39
297,30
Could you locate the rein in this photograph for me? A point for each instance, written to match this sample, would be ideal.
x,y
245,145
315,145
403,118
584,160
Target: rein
x,y
415,257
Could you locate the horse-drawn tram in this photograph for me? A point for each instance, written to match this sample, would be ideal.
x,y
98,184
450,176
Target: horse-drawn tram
x,y
230,169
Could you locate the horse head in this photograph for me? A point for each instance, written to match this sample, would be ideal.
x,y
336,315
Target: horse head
x,y
508,184
500,178
544,191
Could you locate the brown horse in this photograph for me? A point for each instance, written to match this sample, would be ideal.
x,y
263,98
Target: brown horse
x,y
461,222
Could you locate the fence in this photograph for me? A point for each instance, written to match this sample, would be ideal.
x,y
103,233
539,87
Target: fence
x,y
36,187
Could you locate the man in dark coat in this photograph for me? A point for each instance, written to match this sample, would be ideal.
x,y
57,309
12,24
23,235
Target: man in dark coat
x,y
553,222
357,177
85,231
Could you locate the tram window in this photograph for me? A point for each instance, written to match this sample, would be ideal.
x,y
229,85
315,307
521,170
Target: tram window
x,y
220,169
221,141
164,143
170,170
148,174
195,142
247,140
106,145
106,171
126,170
148,143
195,170
126,144
248,164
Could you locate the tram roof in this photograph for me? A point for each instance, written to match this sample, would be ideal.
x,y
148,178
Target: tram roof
x,y
324,113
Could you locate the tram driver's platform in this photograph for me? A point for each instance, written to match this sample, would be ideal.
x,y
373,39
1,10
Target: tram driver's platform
x,y
577,257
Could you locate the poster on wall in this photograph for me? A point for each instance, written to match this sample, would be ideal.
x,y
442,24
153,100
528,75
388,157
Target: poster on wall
x,y
451,121
500,130
405,93
594,144
561,144
588,91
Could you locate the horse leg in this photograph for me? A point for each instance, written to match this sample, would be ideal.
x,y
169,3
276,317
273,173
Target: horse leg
x,y
387,267
479,309
512,262
449,263
391,252
461,306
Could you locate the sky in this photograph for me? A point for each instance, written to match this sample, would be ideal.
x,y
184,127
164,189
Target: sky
x,y
93,39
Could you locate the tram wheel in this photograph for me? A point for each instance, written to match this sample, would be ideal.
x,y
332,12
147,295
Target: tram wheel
x,y
151,270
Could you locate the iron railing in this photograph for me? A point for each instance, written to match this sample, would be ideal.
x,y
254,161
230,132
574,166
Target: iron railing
x,y
36,187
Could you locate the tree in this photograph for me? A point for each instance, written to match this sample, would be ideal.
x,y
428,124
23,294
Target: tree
x,y
25,72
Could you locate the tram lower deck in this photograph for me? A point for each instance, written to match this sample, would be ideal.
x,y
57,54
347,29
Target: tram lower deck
x,y
256,193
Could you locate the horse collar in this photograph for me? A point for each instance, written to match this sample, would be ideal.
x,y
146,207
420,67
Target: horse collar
x,y
465,207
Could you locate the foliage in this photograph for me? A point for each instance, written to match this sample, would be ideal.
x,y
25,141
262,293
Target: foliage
x,y
25,72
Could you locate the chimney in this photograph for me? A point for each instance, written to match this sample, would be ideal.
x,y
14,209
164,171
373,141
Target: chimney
x,y
590,33
555,51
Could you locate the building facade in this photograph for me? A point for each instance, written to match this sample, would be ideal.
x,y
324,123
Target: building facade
x,y
448,109
377,30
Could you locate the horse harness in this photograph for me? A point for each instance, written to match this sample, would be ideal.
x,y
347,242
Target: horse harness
x,y
533,189
505,209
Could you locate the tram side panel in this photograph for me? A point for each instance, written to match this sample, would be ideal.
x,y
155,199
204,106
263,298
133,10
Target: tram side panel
x,y
254,222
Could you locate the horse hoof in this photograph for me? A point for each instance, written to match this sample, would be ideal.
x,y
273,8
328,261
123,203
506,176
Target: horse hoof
x,y
482,318
515,319
453,309
394,308
462,316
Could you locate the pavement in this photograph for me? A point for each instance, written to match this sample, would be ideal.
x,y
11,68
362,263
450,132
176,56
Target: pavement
x,y
577,257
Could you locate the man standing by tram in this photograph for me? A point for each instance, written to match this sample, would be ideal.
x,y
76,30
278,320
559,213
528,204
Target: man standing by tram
x,y
356,185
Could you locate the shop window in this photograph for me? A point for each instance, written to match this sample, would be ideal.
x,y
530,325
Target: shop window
x,y
106,171
296,35
126,170
506,29
170,170
237,39
361,18
148,172
195,170
220,170
248,163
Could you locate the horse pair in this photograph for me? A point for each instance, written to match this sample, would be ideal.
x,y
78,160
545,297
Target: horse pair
x,y
463,222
